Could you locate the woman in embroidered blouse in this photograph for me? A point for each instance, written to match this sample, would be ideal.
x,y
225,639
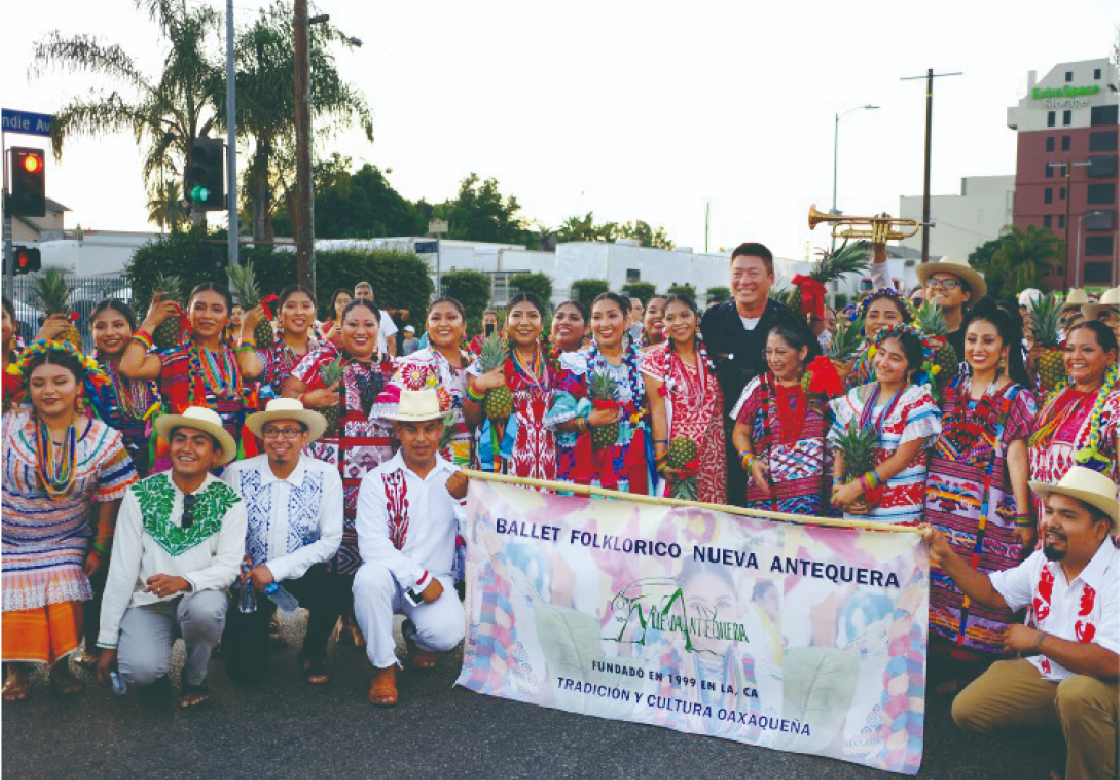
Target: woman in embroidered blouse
x,y
900,408
58,465
569,326
1080,423
780,429
976,490
361,441
525,443
685,400
653,323
296,309
205,371
626,464
880,309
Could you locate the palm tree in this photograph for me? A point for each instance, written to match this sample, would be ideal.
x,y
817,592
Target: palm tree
x,y
166,114
1025,256
165,207
265,85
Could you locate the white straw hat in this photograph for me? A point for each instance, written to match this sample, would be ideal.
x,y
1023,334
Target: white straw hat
x,y
1086,485
417,406
202,419
288,409
958,268
1110,299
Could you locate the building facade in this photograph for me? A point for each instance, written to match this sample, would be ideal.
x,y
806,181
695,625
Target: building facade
x,y
1066,169
977,214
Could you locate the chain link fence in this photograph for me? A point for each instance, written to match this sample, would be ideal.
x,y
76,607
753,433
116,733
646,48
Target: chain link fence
x,y
85,293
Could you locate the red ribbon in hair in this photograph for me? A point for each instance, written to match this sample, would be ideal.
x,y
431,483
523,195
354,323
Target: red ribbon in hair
x,y
812,295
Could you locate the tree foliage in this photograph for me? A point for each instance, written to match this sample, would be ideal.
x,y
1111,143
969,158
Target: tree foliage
x,y
480,213
1017,260
718,294
584,228
682,289
470,288
642,290
538,284
587,290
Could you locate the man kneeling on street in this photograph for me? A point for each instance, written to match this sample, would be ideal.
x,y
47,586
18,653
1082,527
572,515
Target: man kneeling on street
x,y
407,521
1069,668
294,505
178,544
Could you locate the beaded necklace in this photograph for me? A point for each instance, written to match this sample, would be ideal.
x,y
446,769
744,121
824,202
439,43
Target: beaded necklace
x,y
133,399
56,477
535,373
1057,409
966,429
217,370
865,417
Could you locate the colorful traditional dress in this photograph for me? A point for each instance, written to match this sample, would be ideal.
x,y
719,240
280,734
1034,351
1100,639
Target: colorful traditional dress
x,y
527,444
693,409
361,442
278,360
129,406
969,496
788,429
1072,423
428,368
191,376
46,535
910,415
861,371
626,465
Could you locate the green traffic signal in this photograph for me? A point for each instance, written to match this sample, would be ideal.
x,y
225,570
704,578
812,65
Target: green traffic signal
x,y
199,194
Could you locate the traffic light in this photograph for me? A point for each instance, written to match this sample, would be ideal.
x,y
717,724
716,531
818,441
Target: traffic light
x,y
27,260
208,174
27,182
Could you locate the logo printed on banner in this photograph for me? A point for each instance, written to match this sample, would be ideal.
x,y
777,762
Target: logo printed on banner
x,y
660,605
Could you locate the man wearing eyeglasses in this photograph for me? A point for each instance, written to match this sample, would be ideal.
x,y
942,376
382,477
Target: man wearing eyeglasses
x,y
294,504
178,544
953,285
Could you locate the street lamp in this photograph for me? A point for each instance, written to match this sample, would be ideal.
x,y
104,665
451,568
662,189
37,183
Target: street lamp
x,y
836,145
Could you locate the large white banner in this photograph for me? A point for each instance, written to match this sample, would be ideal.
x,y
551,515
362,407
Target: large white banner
x,y
799,638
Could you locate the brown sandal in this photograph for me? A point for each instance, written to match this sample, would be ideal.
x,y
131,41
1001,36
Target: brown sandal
x,y
383,688
418,658
16,687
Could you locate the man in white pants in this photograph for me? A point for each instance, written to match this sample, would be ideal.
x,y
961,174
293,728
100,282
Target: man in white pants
x,y
407,521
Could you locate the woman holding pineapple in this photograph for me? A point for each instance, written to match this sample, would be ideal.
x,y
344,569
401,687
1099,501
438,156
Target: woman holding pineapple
x,y
510,392
880,432
602,401
1080,423
686,405
780,426
204,371
976,491
343,382
281,353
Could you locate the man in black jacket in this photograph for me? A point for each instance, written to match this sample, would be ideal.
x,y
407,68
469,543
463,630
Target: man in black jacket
x,y
735,338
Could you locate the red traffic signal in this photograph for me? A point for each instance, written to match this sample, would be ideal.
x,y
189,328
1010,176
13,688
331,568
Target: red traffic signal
x,y
27,260
27,186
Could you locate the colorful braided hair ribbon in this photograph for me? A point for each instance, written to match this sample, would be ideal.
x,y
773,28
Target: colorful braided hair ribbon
x,y
925,373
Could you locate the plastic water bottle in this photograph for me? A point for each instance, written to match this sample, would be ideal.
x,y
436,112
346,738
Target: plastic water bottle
x,y
248,601
280,597
117,684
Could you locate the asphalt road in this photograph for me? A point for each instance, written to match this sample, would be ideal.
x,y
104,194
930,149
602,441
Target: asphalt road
x,y
288,729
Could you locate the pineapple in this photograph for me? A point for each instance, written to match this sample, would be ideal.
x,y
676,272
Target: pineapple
x,y
52,295
166,336
602,388
857,446
1045,323
848,259
244,287
932,322
498,403
682,451
329,375
845,344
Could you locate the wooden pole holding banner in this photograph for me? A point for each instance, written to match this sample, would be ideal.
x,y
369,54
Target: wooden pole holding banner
x,y
588,490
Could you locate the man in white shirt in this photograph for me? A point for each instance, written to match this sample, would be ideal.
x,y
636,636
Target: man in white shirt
x,y
386,328
1070,666
294,506
177,547
407,522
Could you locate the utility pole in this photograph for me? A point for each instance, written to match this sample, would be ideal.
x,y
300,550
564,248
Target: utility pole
x,y
926,216
305,193
231,139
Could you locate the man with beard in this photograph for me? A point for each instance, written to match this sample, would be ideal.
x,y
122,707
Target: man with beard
x,y
1069,666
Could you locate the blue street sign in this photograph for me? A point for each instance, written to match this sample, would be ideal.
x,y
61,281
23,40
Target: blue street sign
x,y
25,122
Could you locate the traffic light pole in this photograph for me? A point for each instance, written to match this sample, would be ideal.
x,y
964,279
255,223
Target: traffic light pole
x,y
231,139
9,254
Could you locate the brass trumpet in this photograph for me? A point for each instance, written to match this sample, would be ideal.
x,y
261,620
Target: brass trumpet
x,y
877,230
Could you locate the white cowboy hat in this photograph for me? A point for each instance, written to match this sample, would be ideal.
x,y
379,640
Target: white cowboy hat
x,y
202,419
1029,296
417,406
1076,297
1085,485
958,268
288,409
1110,299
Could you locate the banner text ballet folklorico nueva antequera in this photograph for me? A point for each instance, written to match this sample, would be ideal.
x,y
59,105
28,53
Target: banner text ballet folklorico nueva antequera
x,y
793,637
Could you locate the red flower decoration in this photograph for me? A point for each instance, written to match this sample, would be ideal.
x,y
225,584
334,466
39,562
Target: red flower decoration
x,y
823,378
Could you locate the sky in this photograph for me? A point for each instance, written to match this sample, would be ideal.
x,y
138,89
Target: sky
x,y
633,110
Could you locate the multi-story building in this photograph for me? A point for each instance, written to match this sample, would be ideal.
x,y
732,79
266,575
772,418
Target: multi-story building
x,y
1066,171
963,221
